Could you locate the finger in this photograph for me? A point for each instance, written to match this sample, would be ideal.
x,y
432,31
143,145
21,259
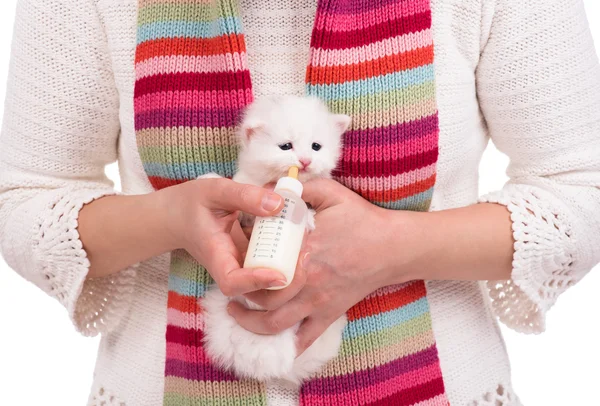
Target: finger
x,y
270,186
244,280
271,321
322,193
304,249
224,266
274,299
310,329
232,196
229,221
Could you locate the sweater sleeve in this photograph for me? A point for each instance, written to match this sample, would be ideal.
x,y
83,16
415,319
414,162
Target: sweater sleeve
x,y
539,90
59,131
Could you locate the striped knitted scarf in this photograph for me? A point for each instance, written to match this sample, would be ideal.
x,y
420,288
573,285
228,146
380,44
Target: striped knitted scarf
x,y
370,59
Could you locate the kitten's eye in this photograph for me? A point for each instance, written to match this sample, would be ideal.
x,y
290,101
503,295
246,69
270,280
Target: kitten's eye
x,y
286,147
316,146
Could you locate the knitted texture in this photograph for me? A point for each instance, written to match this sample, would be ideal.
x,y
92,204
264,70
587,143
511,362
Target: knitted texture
x,y
103,398
69,112
193,83
562,98
530,217
373,60
46,175
277,35
499,397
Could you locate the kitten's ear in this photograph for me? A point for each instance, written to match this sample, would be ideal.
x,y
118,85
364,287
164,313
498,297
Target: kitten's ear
x,y
250,128
342,122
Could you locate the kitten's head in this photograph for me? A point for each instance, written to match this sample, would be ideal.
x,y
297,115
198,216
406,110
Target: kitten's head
x,y
284,131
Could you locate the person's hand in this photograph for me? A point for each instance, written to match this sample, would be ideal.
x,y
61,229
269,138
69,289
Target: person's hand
x,y
201,217
247,230
343,261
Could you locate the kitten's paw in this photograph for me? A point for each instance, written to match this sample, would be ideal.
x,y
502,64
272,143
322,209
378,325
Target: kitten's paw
x,y
211,175
247,355
324,349
310,222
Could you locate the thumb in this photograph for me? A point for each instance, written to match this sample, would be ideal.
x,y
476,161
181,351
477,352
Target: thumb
x,y
232,196
322,193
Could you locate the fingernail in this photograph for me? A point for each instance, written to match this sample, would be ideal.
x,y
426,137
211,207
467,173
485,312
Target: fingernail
x,y
271,201
230,309
305,259
278,283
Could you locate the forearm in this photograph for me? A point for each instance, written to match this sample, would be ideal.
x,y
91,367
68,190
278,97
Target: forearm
x,y
469,243
119,231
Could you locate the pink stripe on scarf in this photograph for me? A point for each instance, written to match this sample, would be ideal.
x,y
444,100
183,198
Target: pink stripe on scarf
x,y
387,47
187,63
360,21
380,184
377,153
185,99
185,320
380,390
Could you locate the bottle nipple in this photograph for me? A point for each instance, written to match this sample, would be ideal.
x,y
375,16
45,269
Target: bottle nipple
x,y
290,182
293,172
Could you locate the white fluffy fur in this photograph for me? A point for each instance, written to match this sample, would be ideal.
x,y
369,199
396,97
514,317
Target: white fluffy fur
x,y
263,357
269,123
273,121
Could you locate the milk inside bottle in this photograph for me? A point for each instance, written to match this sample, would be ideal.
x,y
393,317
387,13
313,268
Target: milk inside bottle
x,y
276,241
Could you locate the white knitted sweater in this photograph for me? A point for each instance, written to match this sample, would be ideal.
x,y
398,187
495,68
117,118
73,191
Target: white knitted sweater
x,y
522,72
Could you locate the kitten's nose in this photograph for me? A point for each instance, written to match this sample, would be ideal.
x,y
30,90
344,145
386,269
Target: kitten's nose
x,y
305,162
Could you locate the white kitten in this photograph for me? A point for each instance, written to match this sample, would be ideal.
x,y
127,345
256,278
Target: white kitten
x,y
276,133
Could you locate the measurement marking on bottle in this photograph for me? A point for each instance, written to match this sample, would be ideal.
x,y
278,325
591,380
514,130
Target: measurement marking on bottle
x,y
271,232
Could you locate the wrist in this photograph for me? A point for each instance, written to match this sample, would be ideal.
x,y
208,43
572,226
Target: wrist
x,y
166,212
405,246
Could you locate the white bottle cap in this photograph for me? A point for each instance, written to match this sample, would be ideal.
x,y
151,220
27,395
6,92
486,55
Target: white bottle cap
x,y
290,182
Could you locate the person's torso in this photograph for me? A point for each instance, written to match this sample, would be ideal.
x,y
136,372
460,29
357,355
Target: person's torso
x,y
131,360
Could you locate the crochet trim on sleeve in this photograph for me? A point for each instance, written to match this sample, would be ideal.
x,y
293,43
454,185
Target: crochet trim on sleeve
x,y
503,395
542,263
94,305
102,397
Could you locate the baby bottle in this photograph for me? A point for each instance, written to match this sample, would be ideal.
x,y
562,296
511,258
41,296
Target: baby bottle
x,y
276,241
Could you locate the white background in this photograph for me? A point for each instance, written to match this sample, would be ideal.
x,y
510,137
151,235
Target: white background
x,y
44,362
